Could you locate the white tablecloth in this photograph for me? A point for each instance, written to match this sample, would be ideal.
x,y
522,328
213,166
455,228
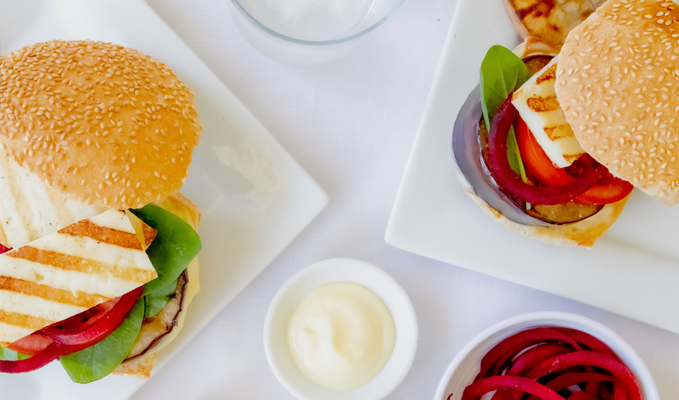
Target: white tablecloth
x,y
350,124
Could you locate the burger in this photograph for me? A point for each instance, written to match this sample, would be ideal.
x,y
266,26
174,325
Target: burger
x,y
98,263
555,139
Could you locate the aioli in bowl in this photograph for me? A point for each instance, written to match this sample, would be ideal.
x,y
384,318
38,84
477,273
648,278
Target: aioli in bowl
x,y
341,336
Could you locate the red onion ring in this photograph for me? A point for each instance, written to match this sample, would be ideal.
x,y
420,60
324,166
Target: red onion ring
x,y
553,363
619,370
507,179
49,354
506,382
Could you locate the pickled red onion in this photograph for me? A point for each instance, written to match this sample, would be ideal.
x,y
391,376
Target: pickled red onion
x,y
554,361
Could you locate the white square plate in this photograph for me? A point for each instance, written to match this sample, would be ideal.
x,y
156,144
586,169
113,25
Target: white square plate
x,y
254,197
633,270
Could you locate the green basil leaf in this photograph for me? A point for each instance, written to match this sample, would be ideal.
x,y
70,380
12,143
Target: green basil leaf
x,y
11,355
175,245
501,73
95,362
156,301
514,158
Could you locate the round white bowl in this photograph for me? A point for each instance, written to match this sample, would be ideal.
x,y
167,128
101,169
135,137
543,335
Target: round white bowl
x,y
466,365
304,282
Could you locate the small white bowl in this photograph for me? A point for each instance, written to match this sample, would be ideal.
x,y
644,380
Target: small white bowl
x,y
304,282
467,364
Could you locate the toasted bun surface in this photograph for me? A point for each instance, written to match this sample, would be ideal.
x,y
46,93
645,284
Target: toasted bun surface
x,y
102,123
582,233
618,83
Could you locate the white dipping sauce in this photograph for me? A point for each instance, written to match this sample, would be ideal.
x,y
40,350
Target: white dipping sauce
x,y
341,336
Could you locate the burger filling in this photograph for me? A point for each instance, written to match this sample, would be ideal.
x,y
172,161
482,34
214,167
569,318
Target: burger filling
x,y
92,344
529,148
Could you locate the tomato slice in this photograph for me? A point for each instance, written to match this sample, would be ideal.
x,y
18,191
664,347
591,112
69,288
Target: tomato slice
x,y
607,190
38,341
31,344
535,159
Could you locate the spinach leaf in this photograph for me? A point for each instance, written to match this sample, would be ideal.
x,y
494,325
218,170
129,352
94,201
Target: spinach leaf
x,y
95,362
175,245
501,73
156,301
11,355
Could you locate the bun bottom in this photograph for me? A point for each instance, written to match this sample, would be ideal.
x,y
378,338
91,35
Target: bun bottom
x,y
581,233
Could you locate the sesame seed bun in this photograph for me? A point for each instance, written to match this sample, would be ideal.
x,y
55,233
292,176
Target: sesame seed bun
x,y
618,83
102,123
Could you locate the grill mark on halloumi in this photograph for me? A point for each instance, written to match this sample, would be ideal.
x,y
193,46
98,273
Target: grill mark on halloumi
x,y
74,263
86,228
543,104
78,299
546,76
24,321
558,132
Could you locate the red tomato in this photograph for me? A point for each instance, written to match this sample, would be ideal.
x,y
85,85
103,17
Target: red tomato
x,y
535,159
37,342
607,190
31,344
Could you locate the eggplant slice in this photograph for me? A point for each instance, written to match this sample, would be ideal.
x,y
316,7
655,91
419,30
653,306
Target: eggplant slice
x,y
155,329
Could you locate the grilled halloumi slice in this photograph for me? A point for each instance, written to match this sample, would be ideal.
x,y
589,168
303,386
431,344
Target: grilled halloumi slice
x,y
537,104
29,209
69,271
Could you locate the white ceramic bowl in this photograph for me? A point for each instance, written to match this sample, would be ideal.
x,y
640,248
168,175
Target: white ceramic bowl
x,y
466,365
298,287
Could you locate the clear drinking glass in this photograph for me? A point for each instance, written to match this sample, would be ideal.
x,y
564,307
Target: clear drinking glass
x,y
303,32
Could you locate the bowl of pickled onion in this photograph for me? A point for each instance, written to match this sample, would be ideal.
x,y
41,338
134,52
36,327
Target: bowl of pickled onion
x,y
549,356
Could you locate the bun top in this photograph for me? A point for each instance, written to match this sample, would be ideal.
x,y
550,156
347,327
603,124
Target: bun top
x,y
618,83
102,123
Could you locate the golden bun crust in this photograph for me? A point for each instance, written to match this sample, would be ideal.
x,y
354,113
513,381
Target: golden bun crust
x,y
140,367
618,84
582,233
102,123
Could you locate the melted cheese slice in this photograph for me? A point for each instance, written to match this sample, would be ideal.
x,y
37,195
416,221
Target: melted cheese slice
x,y
70,271
29,209
537,104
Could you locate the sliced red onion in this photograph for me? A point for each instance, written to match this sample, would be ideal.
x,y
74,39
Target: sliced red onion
x,y
540,363
472,170
49,354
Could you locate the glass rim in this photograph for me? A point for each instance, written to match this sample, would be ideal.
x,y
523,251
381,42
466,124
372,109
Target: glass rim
x,y
265,28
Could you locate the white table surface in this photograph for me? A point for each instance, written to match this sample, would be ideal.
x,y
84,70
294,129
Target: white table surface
x,y
350,124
